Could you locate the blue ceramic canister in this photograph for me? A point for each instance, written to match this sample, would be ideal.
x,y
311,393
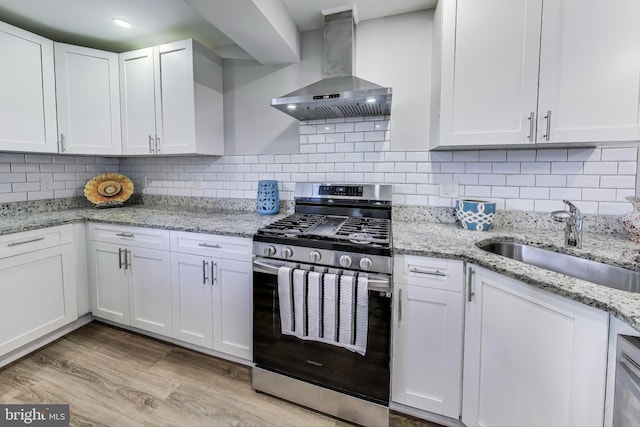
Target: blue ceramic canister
x,y
475,214
268,201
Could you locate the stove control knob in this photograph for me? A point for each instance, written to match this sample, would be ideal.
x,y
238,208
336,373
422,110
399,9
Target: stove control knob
x,y
269,251
345,261
287,253
315,256
366,263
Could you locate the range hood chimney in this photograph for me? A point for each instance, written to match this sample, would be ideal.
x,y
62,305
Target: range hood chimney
x,y
340,94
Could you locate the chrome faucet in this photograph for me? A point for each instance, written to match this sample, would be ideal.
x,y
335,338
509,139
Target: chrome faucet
x,y
573,227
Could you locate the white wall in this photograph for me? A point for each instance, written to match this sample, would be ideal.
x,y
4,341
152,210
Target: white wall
x,y
396,52
393,51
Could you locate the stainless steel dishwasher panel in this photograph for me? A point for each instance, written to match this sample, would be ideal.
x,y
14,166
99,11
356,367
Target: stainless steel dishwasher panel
x,y
626,401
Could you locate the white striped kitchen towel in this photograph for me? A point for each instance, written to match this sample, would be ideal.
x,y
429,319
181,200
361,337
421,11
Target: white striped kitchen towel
x,y
324,307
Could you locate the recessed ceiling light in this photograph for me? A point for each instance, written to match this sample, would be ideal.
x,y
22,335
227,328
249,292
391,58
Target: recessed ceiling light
x,y
291,107
121,23
371,100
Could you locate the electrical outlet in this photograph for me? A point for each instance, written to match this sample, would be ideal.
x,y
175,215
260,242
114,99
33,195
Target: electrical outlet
x,y
449,189
46,183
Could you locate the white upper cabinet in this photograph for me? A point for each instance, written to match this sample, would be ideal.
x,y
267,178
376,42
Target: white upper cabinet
x,y
502,65
27,92
172,100
590,71
88,100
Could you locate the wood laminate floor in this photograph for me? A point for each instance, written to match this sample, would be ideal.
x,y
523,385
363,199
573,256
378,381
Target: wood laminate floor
x,y
112,377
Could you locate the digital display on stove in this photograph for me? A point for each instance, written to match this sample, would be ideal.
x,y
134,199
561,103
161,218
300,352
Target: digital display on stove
x,y
341,190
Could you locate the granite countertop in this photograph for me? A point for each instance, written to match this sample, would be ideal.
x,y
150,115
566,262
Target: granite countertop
x,y
451,241
409,237
224,222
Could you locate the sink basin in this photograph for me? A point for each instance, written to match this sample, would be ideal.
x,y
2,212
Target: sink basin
x,y
580,268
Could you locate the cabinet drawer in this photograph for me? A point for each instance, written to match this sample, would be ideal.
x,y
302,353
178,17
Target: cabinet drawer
x,y
28,241
130,236
429,272
212,245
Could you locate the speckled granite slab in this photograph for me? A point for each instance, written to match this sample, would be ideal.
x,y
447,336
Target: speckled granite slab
x,y
224,222
451,241
192,203
510,219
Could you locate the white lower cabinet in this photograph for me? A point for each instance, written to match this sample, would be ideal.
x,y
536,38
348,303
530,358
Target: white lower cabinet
x,y
212,292
531,358
427,334
37,285
131,284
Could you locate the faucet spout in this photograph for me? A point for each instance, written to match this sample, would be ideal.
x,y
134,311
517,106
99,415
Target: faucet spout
x,y
574,222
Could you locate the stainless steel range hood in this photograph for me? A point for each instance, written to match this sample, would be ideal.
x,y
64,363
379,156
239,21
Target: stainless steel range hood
x,y
340,94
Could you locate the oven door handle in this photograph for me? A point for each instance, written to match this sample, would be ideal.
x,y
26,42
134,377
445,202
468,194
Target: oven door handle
x,y
376,283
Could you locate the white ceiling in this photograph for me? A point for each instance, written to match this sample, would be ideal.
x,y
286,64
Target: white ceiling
x,y
88,22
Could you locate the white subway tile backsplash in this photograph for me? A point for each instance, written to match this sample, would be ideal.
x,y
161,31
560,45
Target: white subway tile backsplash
x,y
505,192
583,154
612,208
565,193
519,204
335,137
346,147
364,127
344,127
619,154
452,167
551,180
492,156
583,181
601,168
478,168
558,154
536,168
465,156
521,155
354,137
618,181
492,179
568,168
441,156
599,195
521,180
326,148
538,193
506,168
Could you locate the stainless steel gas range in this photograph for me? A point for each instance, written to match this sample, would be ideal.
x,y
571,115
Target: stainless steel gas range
x,y
322,302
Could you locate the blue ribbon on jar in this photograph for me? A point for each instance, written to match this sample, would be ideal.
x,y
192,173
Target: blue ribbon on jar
x,y
268,202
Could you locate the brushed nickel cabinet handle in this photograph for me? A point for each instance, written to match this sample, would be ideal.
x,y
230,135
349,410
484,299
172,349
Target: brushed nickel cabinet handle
x,y
430,273
214,277
25,241
157,145
124,234
205,264
150,144
470,274
532,124
547,136
210,245
127,261
399,305
120,258
62,146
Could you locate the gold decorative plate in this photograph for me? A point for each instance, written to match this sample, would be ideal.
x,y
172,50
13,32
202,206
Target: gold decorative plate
x,y
108,189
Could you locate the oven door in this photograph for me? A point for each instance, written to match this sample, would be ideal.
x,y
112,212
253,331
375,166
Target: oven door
x,y
366,377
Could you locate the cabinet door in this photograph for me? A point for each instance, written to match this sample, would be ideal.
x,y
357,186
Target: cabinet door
x,y
88,100
232,307
175,105
489,71
137,97
590,71
109,288
38,295
531,358
149,274
27,92
427,349
192,299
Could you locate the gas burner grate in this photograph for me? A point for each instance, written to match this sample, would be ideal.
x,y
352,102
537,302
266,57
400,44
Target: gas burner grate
x,y
293,224
365,230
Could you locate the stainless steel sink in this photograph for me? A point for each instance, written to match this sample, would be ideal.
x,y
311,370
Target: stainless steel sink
x,y
591,271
